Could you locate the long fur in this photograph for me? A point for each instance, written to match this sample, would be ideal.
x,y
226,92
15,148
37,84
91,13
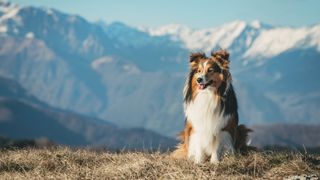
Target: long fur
x,y
211,127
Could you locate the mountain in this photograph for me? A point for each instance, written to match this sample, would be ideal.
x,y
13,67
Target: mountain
x,y
133,77
45,40
227,36
254,40
67,75
24,117
286,135
147,52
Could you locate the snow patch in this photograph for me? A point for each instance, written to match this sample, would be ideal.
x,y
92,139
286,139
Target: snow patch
x,y
202,39
3,29
273,42
100,61
29,35
131,69
170,29
9,11
255,24
248,41
49,11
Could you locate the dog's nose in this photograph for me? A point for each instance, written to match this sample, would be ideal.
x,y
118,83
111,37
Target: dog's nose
x,y
199,80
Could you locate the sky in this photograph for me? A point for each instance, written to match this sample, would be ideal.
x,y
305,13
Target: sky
x,y
193,13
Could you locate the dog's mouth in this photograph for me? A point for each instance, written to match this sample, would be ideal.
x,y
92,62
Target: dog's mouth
x,y
202,86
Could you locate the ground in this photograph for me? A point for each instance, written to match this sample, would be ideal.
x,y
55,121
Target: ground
x,y
66,163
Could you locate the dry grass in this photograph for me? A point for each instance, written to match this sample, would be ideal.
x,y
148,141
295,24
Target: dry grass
x,y
65,163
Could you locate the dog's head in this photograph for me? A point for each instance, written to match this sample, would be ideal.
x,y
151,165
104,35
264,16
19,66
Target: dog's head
x,y
210,72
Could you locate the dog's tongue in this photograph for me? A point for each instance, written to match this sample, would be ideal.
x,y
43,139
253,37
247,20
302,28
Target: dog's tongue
x,y
201,86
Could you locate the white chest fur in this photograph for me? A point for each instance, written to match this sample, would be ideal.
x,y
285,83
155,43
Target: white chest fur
x,y
207,122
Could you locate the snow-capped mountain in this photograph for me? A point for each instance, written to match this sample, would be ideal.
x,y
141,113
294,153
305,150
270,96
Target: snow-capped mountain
x,y
249,40
275,41
203,39
7,11
134,76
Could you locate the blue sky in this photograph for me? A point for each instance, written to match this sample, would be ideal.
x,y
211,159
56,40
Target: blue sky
x,y
196,14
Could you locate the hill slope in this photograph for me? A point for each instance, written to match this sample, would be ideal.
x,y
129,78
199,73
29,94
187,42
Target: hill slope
x,y
24,117
289,135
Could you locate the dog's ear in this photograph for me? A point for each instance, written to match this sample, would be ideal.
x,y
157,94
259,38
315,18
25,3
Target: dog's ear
x,y
196,56
222,56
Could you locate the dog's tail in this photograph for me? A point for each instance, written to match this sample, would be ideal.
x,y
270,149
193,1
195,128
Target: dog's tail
x,y
182,148
242,141
180,152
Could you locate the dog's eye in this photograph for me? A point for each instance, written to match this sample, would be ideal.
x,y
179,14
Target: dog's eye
x,y
215,68
210,69
199,70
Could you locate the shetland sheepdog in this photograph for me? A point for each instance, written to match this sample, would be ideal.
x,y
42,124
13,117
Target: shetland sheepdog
x,y
210,105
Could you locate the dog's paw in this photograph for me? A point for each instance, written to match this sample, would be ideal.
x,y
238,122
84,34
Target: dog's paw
x,y
214,159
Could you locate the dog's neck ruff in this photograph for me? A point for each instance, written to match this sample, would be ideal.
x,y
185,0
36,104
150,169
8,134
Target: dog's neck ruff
x,y
205,113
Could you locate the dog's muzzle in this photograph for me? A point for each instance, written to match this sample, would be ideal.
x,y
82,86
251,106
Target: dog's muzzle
x,y
202,84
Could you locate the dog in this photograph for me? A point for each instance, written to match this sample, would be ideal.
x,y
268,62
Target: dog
x,y
210,105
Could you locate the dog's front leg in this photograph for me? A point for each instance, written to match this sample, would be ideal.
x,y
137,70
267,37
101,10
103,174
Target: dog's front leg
x,y
223,144
215,155
195,150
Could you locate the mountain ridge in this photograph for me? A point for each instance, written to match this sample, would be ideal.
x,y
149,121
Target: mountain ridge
x,y
122,74
209,38
24,117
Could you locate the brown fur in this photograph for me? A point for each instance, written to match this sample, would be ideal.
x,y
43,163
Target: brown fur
x,y
196,65
182,149
222,56
194,86
239,133
196,56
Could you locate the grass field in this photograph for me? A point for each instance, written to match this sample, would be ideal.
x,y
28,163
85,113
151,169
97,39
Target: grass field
x,y
66,163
